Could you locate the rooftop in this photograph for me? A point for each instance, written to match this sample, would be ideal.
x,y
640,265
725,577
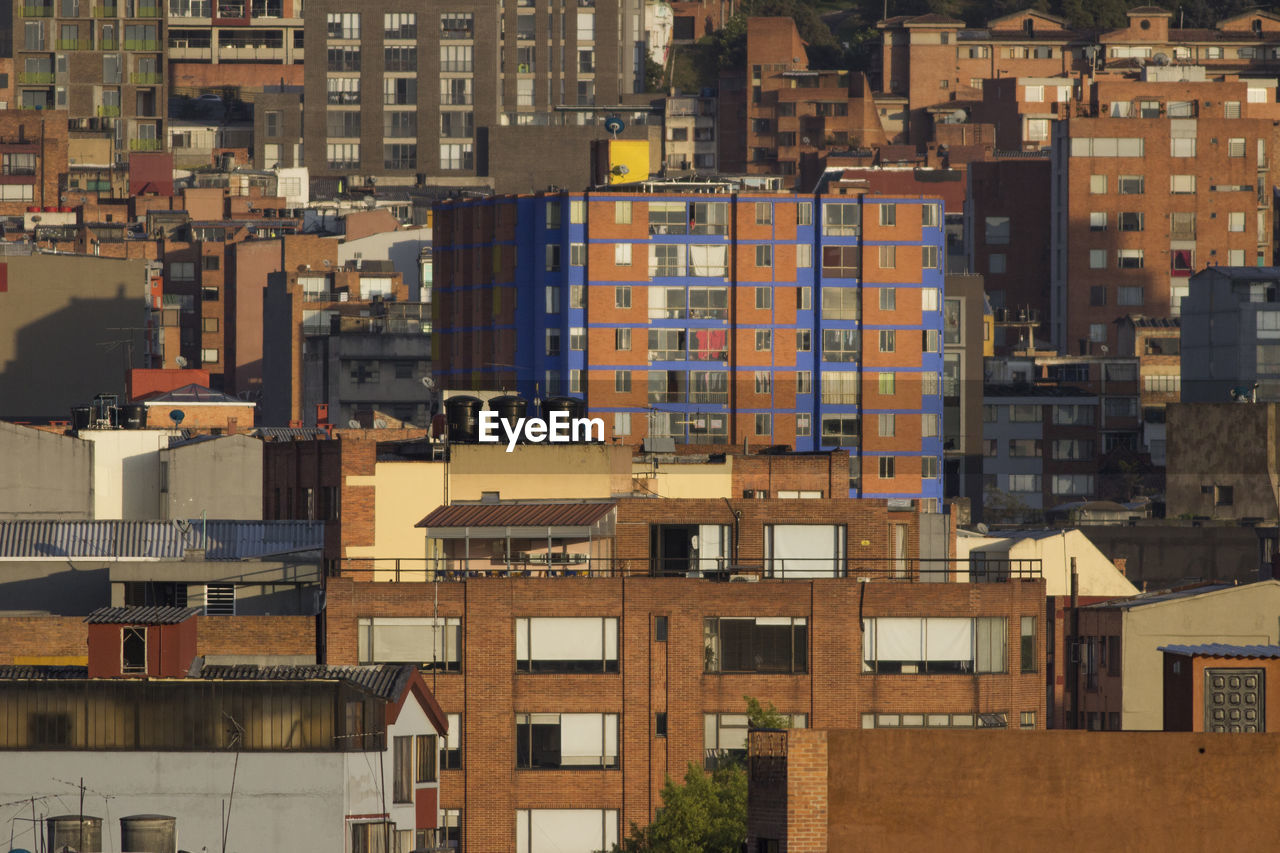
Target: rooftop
x,y
522,514
192,394
140,615
1223,650
157,540
1158,597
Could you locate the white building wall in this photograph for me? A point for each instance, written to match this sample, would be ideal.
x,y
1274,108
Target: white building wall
x,y
126,472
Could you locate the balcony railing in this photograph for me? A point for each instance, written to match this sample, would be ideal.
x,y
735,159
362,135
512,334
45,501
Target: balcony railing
x,y
75,44
106,11
37,11
109,44
141,44
108,111
578,564
146,78
145,145
36,78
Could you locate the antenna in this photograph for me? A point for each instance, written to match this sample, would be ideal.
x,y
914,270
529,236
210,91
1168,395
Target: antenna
x,y
177,416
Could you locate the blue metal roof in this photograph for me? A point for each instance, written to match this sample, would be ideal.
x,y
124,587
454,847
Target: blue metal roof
x,y
1224,650
157,540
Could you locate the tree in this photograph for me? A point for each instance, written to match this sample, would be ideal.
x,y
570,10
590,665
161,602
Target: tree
x,y
653,75
708,813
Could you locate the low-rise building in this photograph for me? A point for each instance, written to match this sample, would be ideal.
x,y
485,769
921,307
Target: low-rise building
x,y
1231,335
1216,687
1222,461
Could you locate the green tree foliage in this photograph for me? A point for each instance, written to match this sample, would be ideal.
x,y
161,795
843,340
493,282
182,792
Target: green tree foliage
x,y
708,813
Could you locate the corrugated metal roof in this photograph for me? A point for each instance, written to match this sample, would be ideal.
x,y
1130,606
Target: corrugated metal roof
x,y
288,433
41,673
141,615
1157,597
157,540
518,515
385,681
1224,650
192,394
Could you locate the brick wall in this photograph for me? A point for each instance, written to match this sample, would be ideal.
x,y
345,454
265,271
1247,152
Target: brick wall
x,y
254,635
25,638
667,677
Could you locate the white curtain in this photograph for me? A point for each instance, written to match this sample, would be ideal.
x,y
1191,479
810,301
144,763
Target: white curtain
x,y
948,639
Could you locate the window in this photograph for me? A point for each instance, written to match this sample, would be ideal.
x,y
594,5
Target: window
x,y
911,646
841,220
566,741
888,213
1235,147
930,215
403,25
804,382
888,299
552,295
710,217
371,836
553,342
708,260
843,430
763,381
1074,415
622,381
622,297
997,230
456,25
668,218
553,258
1235,221
622,423
577,338
622,340
402,769
764,424
1182,147
343,25
562,645
1021,413
1098,184
888,257
1129,259
432,644
622,254
1025,447
804,340
762,644
886,425
1025,483
764,257
1074,449
841,345
764,213
886,468
887,384
888,340
660,723
841,261
577,254
804,298
622,213
182,271
1071,484
1027,649
1182,226
1182,184
804,213
1131,184
133,650
1130,221
930,258
804,425
666,260
659,629
764,340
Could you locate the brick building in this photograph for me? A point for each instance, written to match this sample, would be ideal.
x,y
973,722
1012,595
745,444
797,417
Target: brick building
x,y
712,318
33,150
1160,178
256,42
789,111
1218,687
937,64
595,690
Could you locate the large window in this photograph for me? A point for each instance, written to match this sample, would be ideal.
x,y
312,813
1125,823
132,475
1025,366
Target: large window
x,y
710,217
841,261
571,644
804,550
841,303
402,769
764,644
840,387
841,430
929,645
343,25
666,260
841,219
563,741
668,217
840,345
429,643
565,830
426,760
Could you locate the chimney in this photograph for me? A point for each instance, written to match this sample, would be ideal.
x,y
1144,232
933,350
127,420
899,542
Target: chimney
x,y
1121,563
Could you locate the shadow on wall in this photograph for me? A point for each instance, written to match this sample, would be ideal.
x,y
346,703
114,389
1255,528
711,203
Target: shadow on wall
x,y
64,358
63,589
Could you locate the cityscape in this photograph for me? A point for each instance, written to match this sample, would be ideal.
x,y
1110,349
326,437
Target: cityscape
x,y
652,426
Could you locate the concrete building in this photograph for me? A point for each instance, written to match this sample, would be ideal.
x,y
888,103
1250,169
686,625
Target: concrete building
x,y
1157,344
689,135
966,339
432,80
1118,683
709,317
1231,335
104,69
33,152
70,328
355,770
1141,155
810,791
792,112
239,46
224,568
1222,461
46,475
1215,687
195,407
212,476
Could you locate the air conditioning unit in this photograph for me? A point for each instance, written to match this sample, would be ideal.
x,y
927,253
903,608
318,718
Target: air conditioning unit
x,y
746,578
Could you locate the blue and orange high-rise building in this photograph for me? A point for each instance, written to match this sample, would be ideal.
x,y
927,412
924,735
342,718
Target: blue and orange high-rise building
x,y
709,314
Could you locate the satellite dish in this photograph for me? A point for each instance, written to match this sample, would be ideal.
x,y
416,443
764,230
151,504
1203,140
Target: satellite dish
x,y
181,361
177,416
804,140
428,383
1105,349
303,267
380,424
353,423
614,125
620,170
1161,59
981,528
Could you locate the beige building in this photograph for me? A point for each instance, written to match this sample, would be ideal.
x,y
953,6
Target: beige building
x,y
1120,678
1222,460
1055,549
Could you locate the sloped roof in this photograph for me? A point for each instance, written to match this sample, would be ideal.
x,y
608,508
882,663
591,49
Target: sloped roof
x,y
518,515
1223,650
190,395
386,681
140,615
1159,597
157,540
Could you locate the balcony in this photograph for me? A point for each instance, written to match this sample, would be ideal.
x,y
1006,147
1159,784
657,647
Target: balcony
x,y
37,11
109,44
148,11
142,44
108,111
145,145
106,11
75,44
146,78
36,78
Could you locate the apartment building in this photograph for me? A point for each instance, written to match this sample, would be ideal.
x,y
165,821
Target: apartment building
x,y
102,62
1157,344
257,41
937,63
1164,177
571,699
710,317
33,157
966,339
437,80
689,135
1231,335
789,112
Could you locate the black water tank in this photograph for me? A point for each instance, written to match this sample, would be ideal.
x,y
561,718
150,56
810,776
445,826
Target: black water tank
x,y
133,416
81,417
572,406
463,417
510,408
